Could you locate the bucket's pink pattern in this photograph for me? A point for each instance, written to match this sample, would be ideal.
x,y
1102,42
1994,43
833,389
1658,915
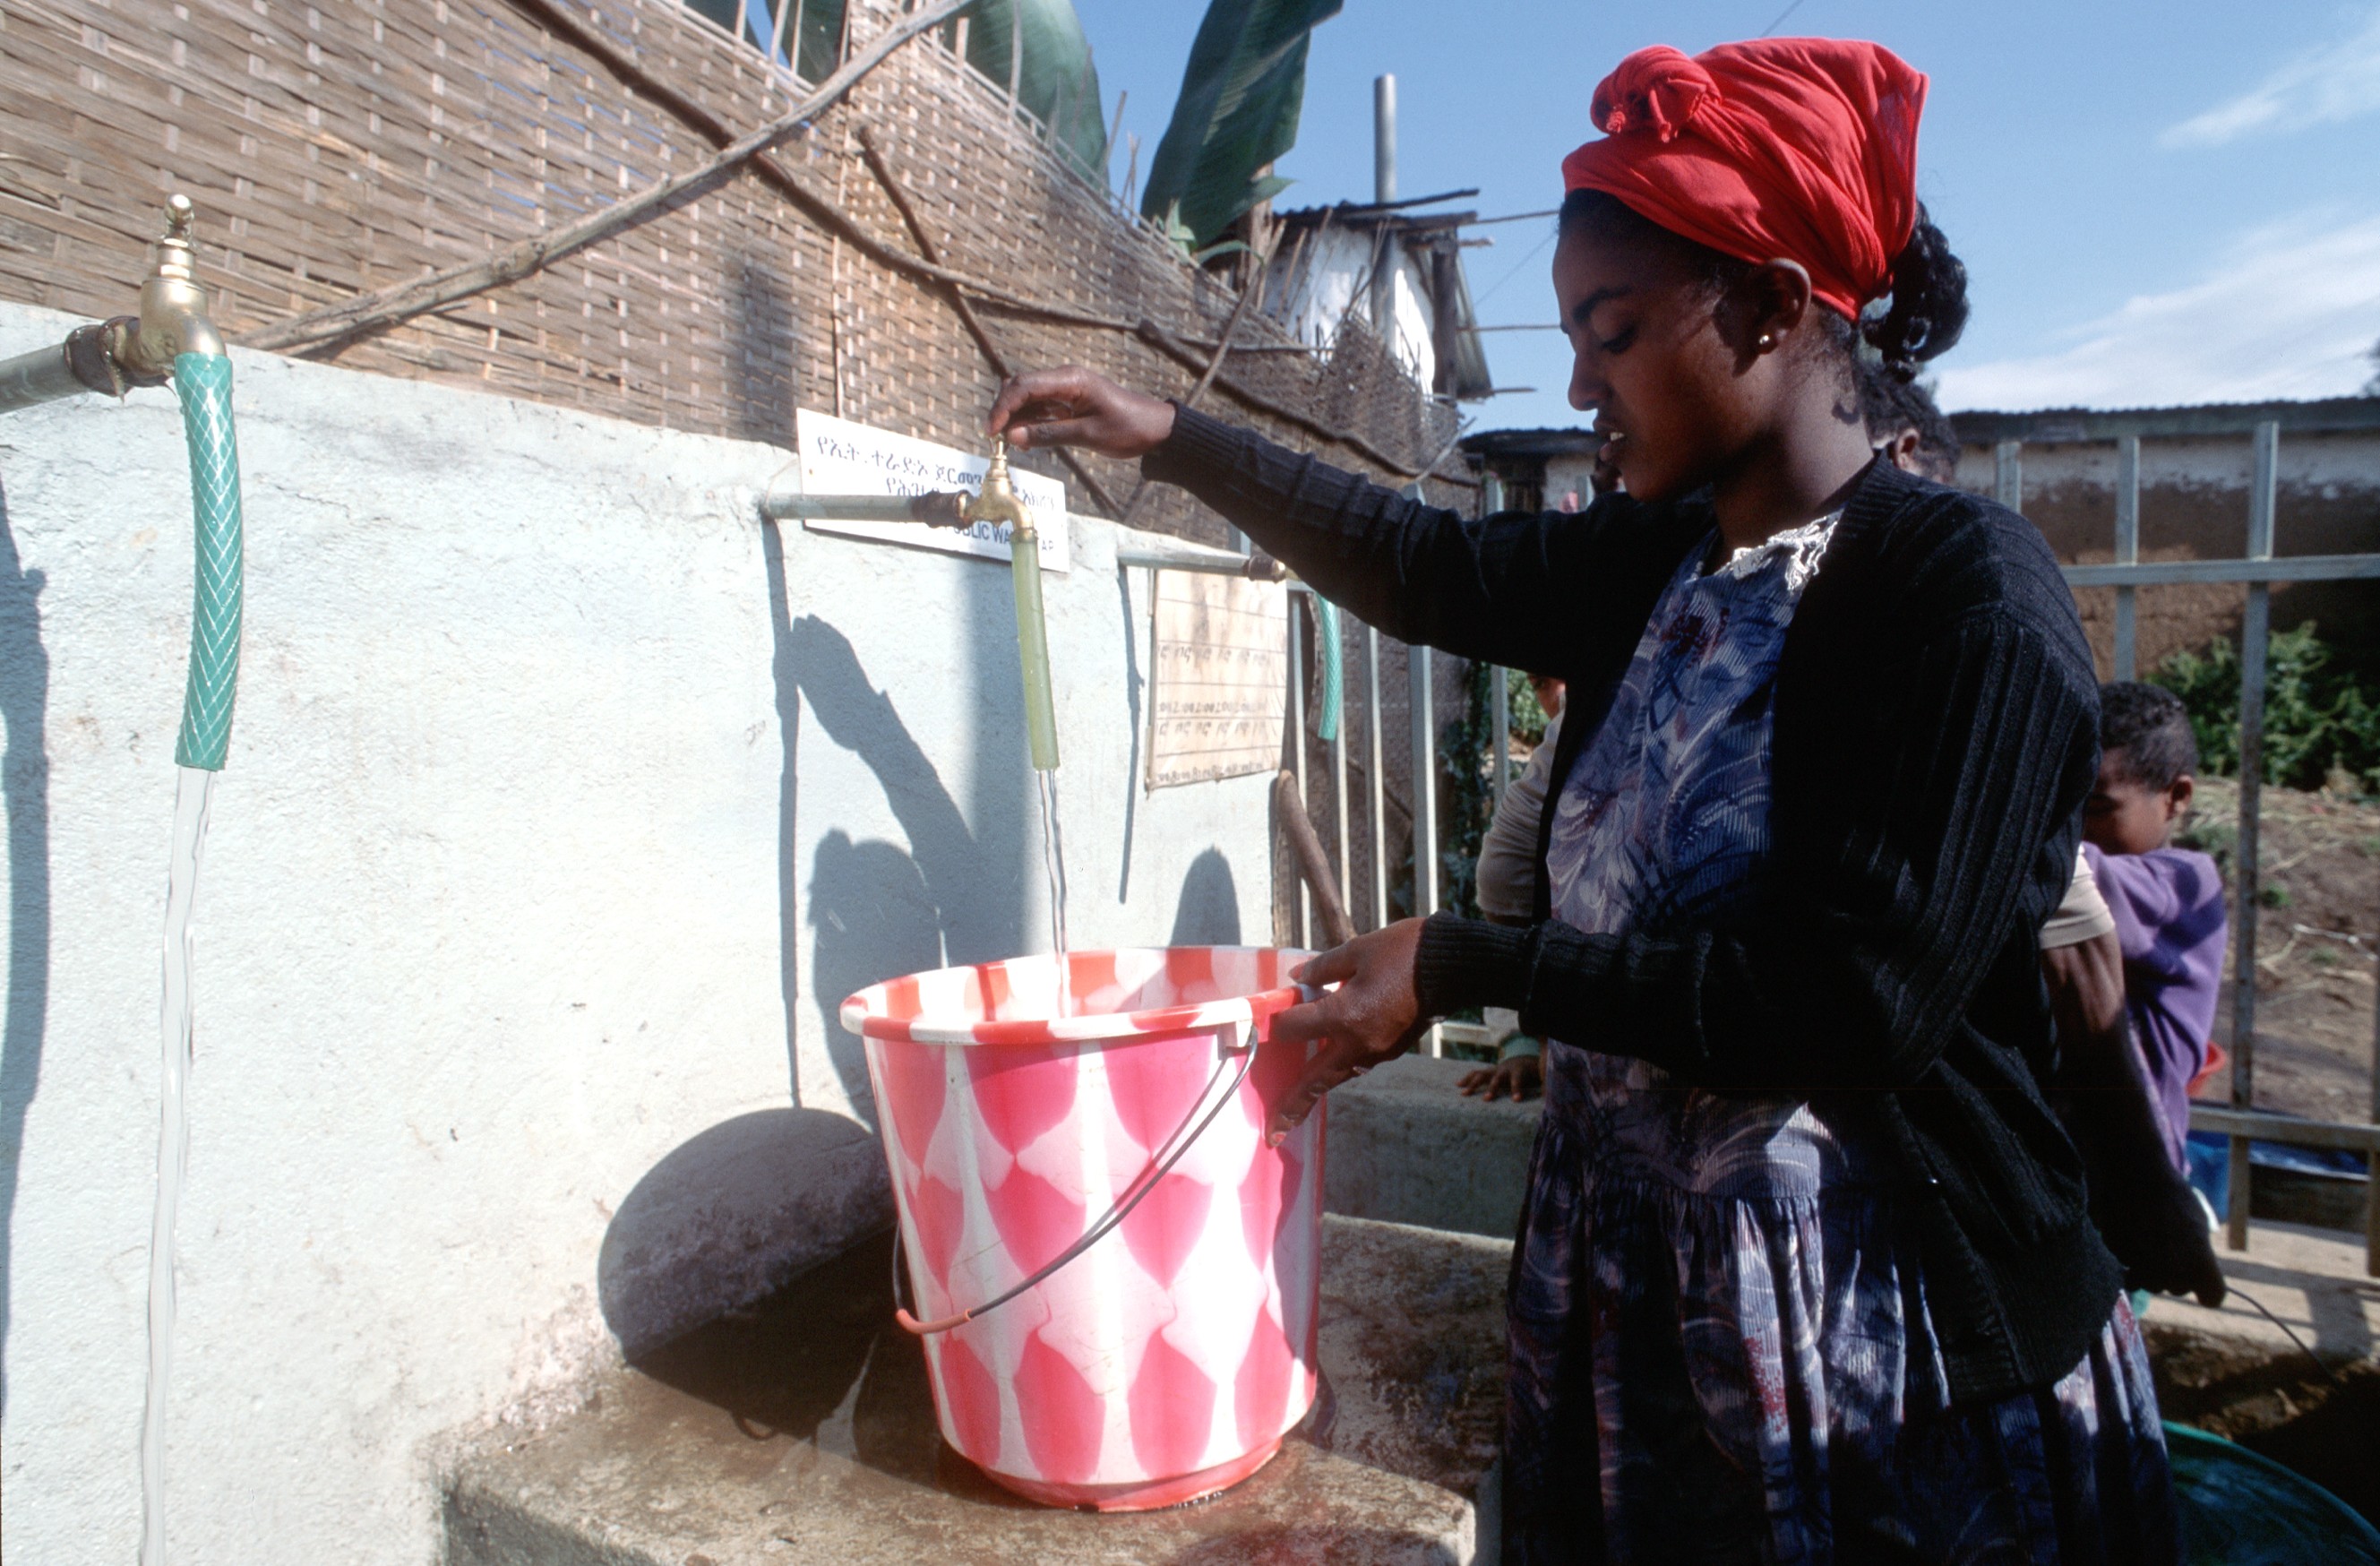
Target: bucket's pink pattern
x,y
967,1395
1067,1423
939,1214
1187,1347
1172,1410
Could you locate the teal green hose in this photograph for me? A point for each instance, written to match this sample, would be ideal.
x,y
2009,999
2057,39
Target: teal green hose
x,y
1033,650
204,383
1326,615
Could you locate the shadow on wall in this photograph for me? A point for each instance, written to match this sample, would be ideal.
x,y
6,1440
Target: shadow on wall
x,y
1208,913
877,910
24,793
734,1214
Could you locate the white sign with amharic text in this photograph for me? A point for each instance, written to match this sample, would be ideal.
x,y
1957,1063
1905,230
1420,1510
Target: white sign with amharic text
x,y
839,457
1220,677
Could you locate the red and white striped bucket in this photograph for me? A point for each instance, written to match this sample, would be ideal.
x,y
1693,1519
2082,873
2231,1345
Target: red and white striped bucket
x,y
1167,1359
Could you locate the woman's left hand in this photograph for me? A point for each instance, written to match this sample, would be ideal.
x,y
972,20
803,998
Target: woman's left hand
x,y
1371,1017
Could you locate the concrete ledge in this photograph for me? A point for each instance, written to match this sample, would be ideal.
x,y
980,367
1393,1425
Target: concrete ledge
x,y
802,1430
1406,1147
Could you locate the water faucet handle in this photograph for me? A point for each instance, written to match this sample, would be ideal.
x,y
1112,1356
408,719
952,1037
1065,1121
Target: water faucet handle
x,y
173,306
176,252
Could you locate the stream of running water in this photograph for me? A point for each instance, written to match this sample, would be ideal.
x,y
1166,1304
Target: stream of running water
x,y
1053,867
194,791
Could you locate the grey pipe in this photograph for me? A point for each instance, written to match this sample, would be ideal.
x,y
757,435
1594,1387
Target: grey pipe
x,y
84,362
939,510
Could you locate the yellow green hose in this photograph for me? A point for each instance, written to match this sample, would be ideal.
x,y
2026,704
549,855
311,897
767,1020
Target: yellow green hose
x,y
203,382
1033,650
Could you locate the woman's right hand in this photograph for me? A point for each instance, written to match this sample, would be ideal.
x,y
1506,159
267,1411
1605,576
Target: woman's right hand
x,y
1073,406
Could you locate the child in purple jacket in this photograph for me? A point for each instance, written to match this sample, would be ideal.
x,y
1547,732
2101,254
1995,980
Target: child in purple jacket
x,y
2167,902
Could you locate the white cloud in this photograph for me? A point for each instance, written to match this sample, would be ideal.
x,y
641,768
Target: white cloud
x,y
2288,311
2338,81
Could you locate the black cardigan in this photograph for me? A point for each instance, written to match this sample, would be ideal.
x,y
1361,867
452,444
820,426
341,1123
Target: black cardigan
x,y
1935,734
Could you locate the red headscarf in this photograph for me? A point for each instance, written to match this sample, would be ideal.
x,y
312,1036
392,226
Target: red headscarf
x,y
1798,148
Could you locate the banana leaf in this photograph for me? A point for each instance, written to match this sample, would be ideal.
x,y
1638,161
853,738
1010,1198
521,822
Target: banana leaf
x,y
1054,73
1240,97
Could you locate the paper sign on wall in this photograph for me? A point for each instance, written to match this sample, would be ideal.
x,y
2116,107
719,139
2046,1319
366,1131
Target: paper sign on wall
x,y
1220,677
839,457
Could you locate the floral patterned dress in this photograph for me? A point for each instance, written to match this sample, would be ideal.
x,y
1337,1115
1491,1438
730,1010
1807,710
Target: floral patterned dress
x,y
1721,1350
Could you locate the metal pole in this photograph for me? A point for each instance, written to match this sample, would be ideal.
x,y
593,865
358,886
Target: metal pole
x,y
2007,474
2372,1165
44,375
1424,780
1297,751
1386,252
1379,786
2255,628
2128,549
1499,733
1425,794
1339,791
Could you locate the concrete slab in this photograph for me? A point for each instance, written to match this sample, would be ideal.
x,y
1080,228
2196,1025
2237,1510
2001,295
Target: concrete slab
x,y
2235,1372
802,1429
1406,1147
2313,1279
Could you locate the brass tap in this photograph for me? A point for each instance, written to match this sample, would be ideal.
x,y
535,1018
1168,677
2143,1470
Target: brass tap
x,y
173,318
998,502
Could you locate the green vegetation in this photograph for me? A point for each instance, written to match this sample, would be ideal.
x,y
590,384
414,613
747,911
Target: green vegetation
x,y
1241,93
2322,719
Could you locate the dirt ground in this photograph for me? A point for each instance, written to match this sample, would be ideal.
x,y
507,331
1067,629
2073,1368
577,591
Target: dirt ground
x,y
2317,934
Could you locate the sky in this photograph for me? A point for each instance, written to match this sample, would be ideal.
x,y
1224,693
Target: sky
x,y
2158,203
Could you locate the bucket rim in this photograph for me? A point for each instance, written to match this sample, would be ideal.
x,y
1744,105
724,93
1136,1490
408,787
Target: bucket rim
x,y
869,1011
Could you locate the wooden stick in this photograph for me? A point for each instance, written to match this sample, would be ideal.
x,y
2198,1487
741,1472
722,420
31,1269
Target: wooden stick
x,y
1214,366
390,307
1307,847
299,331
1182,353
821,209
967,317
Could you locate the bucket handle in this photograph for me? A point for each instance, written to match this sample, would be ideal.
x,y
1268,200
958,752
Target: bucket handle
x,y
1162,1163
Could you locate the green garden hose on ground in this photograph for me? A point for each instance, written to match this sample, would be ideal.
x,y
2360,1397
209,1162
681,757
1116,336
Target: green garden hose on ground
x,y
203,382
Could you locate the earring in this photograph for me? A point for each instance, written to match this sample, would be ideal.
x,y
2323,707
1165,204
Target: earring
x,y
1768,339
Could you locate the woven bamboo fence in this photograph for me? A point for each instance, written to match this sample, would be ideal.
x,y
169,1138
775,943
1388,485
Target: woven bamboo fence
x,y
339,147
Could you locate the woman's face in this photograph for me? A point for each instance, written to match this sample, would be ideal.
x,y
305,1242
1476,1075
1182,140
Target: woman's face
x,y
1651,359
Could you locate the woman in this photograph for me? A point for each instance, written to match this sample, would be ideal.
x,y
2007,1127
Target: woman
x,y
1804,1271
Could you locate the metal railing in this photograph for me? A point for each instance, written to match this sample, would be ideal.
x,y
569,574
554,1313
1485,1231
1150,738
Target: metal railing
x,y
2241,1123
1422,738
2258,569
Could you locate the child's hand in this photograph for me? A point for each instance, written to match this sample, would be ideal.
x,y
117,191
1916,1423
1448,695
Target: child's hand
x,y
1519,1077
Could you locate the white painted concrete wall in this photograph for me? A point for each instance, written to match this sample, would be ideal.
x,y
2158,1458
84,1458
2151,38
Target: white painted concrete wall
x,y
490,919
1333,277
